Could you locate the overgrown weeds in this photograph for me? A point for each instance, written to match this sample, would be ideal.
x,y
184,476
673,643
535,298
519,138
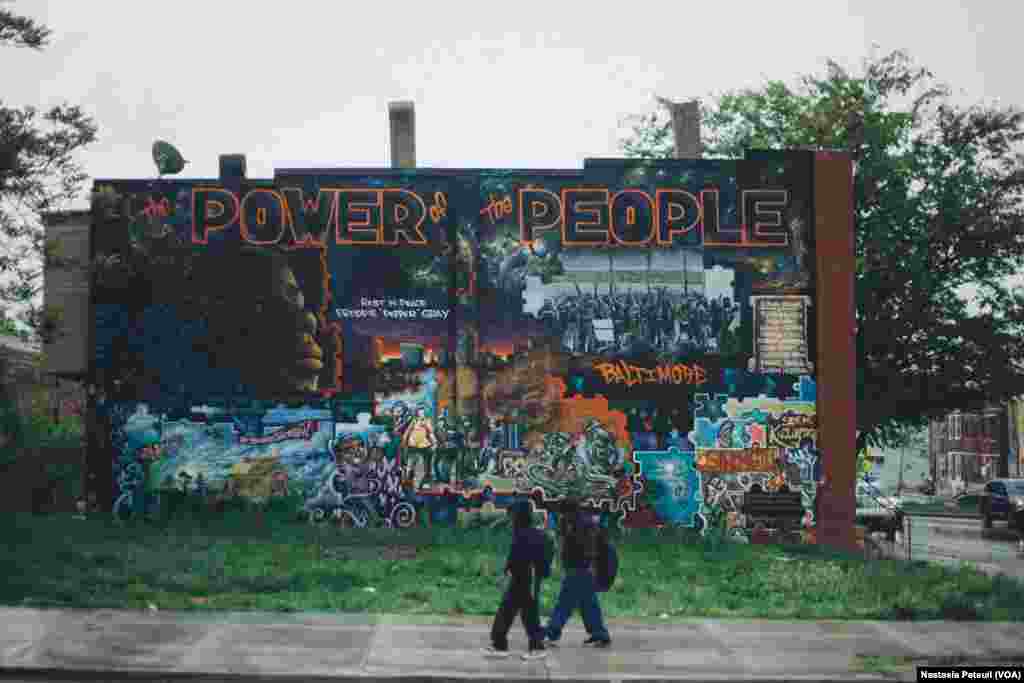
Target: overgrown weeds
x,y
232,562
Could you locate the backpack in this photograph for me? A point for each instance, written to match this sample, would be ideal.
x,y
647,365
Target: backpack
x,y
607,568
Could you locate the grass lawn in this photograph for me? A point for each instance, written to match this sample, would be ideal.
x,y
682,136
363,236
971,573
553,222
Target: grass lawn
x,y
230,563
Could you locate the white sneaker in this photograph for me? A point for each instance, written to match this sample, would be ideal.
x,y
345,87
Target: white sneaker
x,y
535,654
491,651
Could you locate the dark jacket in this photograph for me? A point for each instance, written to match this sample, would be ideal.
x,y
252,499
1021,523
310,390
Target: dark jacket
x,y
526,559
574,551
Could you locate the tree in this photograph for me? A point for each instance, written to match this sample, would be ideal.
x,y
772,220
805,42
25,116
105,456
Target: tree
x,y
38,173
938,194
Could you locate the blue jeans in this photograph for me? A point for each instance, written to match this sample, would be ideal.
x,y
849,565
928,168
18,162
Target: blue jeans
x,y
577,592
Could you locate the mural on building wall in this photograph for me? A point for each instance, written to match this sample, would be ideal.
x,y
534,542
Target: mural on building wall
x,y
403,347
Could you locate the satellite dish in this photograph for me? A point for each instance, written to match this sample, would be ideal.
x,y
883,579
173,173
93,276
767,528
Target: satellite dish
x,y
167,158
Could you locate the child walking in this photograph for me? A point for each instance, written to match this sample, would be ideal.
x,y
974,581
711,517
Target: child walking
x,y
525,562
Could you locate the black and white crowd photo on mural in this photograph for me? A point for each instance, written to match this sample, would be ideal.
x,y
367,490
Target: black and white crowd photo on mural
x,y
635,302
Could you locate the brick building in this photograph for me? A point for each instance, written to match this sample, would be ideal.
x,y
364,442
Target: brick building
x,y
967,448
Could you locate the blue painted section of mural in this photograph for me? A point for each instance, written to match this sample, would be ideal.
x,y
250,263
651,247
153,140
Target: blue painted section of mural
x,y
676,485
394,347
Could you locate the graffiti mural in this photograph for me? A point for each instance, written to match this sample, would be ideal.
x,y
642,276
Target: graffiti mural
x,y
394,348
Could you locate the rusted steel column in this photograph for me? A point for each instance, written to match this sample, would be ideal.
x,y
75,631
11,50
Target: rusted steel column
x,y
837,360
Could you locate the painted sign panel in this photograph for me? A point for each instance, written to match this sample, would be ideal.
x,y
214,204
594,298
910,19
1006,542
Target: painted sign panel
x,y
781,334
387,345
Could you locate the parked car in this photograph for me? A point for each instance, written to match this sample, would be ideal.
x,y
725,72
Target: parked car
x,y
876,512
1003,499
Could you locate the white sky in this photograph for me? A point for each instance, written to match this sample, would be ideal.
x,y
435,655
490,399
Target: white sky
x,y
518,84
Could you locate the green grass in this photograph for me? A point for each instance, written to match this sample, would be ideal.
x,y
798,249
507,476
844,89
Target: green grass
x,y
230,563
888,665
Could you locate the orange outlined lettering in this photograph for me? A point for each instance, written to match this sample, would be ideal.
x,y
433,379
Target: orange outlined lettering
x,y
712,223
400,225
243,223
571,206
541,203
201,198
585,216
369,225
308,207
666,205
631,219
751,203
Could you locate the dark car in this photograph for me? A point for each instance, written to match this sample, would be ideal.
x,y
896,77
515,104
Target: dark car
x,y
1003,499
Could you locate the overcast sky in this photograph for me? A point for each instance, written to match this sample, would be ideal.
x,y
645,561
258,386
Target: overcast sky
x,y
521,84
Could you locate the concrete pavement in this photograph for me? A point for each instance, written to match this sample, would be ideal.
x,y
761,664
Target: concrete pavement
x,y
112,645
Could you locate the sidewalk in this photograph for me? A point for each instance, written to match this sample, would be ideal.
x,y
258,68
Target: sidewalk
x,y
110,645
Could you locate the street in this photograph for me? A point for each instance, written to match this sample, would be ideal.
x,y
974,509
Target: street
x,y
952,540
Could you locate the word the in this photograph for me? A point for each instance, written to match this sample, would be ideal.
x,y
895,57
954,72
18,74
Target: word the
x,y
305,431
737,459
621,372
496,209
155,209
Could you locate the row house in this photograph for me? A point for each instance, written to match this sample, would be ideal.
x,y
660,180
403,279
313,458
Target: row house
x,y
967,448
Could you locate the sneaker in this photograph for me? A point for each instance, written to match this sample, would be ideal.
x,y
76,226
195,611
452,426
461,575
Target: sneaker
x,y
491,651
550,643
535,654
596,643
